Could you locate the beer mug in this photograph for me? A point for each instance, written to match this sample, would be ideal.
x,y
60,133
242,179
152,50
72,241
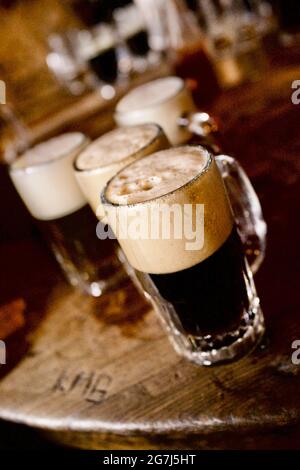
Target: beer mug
x,y
44,179
168,102
171,214
108,154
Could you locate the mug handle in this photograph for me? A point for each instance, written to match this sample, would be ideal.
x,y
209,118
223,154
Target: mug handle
x,y
204,126
245,204
246,209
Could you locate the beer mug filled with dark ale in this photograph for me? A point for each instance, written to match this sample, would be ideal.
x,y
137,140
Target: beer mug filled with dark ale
x,y
172,216
165,101
43,177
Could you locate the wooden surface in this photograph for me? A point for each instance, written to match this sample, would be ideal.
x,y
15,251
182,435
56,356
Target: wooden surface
x,y
101,373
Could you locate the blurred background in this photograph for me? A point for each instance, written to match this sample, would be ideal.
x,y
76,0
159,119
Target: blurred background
x,y
54,52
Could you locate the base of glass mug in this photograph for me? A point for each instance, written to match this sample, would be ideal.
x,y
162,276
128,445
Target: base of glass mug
x,y
89,282
98,287
209,350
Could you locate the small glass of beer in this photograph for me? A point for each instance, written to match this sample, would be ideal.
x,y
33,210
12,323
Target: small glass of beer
x,y
171,214
108,154
44,178
168,102
164,101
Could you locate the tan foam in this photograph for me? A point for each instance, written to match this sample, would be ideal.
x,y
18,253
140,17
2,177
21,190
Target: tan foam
x,y
184,175
162,101
116,146
44,177
156,176
104,157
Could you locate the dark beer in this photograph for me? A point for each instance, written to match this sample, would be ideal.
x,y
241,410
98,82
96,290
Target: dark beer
x,y
75,244
210,297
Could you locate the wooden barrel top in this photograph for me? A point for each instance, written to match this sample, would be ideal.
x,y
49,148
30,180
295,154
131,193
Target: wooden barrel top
x,y
100,373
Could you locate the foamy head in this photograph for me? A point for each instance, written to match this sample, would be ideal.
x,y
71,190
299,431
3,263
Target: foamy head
x,y
162,101
104,157
156,176
171,178
117,146
49,151
43,177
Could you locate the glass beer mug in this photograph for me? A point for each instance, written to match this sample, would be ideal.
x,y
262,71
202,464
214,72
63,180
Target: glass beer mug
x,y
172,217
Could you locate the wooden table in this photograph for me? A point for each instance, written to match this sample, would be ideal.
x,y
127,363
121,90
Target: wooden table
x,y
102,374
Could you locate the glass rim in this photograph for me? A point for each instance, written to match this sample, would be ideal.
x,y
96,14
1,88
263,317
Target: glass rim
x,y
159,132
38,166
163,100
206,167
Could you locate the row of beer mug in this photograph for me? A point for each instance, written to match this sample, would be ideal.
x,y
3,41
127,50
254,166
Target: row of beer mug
x,y
205,295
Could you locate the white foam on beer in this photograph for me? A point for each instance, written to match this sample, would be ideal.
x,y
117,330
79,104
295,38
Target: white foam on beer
x,y
150,94
50,150
116,146
174,177
44,177
163,101
102,159
156,175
